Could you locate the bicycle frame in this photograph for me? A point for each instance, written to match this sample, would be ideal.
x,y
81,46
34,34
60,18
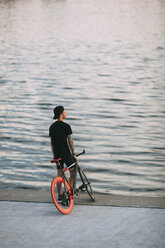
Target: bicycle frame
x,y
61,190
77,168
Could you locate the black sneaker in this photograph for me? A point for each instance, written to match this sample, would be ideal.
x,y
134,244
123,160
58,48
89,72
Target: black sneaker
x,y
62,200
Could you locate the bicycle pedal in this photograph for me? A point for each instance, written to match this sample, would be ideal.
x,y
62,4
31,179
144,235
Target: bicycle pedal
x,y
82,188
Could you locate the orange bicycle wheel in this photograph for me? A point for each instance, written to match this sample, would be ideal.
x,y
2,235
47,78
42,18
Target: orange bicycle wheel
x,y
65,202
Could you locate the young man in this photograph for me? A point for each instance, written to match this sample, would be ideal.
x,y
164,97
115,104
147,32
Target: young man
x,y
62,145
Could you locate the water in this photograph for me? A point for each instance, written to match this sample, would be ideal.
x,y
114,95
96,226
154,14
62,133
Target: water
x,y
105,62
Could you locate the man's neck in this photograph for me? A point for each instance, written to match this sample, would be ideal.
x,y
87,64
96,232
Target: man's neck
x,y
60,119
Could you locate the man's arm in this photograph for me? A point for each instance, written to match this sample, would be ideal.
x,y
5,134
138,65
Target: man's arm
x,y
71,144
52,148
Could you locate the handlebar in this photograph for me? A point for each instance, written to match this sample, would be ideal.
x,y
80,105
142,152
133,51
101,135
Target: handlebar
x,y
80,153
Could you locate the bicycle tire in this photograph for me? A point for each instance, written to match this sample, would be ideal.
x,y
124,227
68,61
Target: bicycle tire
x,y
66,205
87,184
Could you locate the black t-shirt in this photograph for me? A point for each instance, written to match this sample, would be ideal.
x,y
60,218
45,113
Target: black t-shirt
x,y
58,132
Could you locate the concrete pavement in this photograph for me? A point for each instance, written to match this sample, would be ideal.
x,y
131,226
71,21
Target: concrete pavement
x,y
27,222
33,225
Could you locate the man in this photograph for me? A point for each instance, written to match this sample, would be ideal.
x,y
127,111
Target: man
x,y
62,145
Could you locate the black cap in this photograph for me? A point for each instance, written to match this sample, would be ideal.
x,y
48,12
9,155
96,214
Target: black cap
x,y
58,111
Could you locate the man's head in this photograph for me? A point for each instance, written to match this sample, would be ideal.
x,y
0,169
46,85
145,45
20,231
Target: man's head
x,y
59,112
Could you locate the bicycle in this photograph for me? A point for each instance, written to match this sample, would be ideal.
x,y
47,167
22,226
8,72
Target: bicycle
x,y
65,202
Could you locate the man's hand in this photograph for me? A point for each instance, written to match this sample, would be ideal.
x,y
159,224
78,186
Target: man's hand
x,y
75,157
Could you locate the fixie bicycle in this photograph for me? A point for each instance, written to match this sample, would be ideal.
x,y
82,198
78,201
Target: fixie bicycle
x,y
61,184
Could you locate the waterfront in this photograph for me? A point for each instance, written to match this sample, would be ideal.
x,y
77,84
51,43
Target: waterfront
x,y
104,61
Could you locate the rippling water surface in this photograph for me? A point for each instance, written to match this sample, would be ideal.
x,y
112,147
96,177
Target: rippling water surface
x,y
105,62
